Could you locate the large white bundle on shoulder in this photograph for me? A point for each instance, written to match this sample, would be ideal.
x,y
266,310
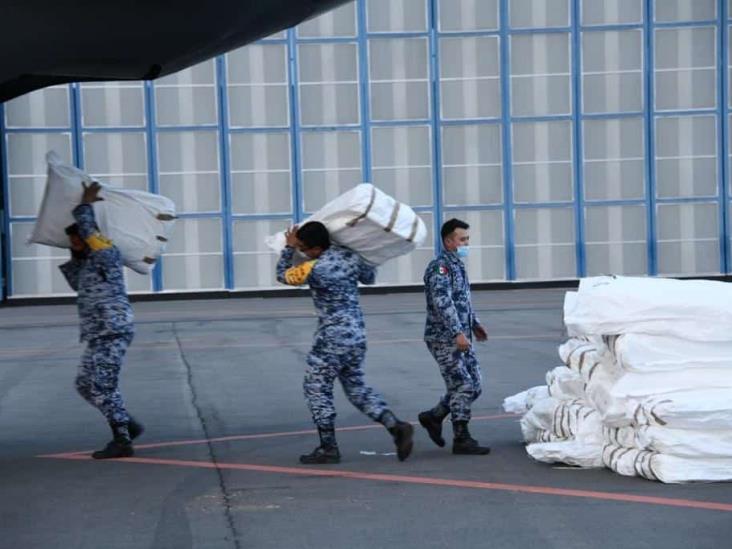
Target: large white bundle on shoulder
x,y
368,221
138,223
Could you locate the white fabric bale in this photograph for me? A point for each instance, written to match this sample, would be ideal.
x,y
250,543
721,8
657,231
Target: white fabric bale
x,y
571,350
576,420
702,409
666,468
636,385
539,418
368,221
522,402
565,384
620,436
138,223
585,357
630,462
685,442
600,380
651,353
571,452
654,358
674,469
553,419
699,310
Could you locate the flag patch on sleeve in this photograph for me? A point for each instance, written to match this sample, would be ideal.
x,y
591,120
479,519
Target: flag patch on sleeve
x,y
441,269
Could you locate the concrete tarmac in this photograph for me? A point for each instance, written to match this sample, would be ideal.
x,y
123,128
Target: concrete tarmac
x,y
219,386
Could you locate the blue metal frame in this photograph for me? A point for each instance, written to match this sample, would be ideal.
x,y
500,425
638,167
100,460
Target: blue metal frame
x,y
6,269
652,115
295,169
723,135
152,166
577,133
649,136
225,172
365,92
437,196
507,142
77,135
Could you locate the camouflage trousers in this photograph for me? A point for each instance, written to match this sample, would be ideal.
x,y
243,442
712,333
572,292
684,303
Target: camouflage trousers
x,y
462,376
98,377
326,362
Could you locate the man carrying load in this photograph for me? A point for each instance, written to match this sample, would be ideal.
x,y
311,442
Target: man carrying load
x,y
95,273
451,323
339,346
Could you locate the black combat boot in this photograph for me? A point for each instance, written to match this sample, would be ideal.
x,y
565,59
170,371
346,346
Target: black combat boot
x,y
327,452
433,423
464,444
135,428
120,446
402,433
322,456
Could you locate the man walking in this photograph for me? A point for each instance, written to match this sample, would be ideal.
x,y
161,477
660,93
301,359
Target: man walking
x,y
95,273
339,346
451,324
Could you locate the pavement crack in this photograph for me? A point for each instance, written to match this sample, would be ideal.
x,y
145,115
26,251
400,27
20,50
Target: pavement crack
x,y
226,496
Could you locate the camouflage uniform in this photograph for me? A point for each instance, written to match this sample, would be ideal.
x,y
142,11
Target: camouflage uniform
x,y
105,316
449,313
339,345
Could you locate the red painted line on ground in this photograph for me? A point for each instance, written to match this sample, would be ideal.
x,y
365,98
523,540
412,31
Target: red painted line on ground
x,y
428,481
259,436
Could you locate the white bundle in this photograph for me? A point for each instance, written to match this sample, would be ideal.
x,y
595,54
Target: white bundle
x,y
523,401
669,469
565,431
698,409
565,384
138,223
647,388
368,221
651,353
699,310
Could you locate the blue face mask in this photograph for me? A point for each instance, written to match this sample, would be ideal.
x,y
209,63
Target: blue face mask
x,y
463,251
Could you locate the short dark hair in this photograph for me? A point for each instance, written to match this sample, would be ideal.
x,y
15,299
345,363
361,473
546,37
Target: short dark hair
x,y
448,227
314,235
72,229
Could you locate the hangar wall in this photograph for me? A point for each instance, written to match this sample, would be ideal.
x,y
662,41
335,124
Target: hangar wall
x,y
577,137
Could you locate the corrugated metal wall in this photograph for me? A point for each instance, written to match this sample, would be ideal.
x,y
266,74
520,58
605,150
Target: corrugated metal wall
x,y
576,137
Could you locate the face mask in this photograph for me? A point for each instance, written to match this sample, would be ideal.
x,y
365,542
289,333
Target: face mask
x,y
463,251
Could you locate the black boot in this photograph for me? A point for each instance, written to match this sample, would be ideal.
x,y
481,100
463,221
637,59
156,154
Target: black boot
x,y
433,424
327,452
401,431
120,446
403,434
135,428
464,444
322,456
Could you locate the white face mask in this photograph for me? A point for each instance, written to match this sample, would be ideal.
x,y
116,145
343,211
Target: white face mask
x,y
463,251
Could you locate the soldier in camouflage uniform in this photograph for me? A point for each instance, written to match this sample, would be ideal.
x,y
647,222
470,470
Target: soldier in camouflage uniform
x,y
95,273
339,345
451,324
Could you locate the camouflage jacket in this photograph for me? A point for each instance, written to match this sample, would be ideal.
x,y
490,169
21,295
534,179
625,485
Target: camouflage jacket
x,y
447,289
333,279
98,279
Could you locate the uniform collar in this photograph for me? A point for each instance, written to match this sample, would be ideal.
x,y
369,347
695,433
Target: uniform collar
x,y
452,256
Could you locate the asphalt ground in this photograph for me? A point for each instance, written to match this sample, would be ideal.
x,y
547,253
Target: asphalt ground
x,y
218,385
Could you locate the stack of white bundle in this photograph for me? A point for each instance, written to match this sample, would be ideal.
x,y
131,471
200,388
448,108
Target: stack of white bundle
x,y
646,385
